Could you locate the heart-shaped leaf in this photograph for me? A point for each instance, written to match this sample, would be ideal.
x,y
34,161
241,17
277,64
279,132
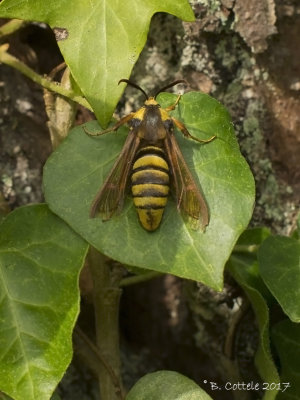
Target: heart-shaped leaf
x,y
40,259
166,385
100,40
286,336
279,266
244,268
76,170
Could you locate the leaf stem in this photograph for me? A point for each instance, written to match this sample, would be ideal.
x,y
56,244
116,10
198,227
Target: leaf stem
x,y
243,248
56,87
106,294
132,280
11,26
231,333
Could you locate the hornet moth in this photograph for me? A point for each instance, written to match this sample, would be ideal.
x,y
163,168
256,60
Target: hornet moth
x,y
151,159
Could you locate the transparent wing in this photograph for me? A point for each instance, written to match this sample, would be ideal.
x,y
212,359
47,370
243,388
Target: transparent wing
x,y
188,196
110,197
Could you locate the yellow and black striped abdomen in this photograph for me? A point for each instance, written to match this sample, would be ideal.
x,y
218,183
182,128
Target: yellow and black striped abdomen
x,y
150,185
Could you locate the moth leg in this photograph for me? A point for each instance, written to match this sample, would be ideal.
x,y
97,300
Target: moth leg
x,y
172,107
187,134
112,128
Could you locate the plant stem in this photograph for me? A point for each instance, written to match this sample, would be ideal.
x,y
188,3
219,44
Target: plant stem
x,y
132,280
242,248
12,61
106,295
231,333
11,26
91,355
61,111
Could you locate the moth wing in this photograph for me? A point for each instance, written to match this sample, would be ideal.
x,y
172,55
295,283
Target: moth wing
x,y
110,197
188,196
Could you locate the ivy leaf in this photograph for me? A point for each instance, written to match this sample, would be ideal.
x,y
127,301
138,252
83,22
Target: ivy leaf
x,y
166,385
75,172
286,337
100,40
40,259
243,266
279,266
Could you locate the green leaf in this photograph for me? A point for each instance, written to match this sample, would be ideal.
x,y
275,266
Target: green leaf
x,y
103,39
75,172
286,337
279,264
250,240
166,385
40,259
244,269
245,254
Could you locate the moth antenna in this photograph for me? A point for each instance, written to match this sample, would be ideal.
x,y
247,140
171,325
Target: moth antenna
x,y
134,85
170,85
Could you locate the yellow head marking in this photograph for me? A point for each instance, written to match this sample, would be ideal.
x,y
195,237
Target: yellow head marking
x,y
151,102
